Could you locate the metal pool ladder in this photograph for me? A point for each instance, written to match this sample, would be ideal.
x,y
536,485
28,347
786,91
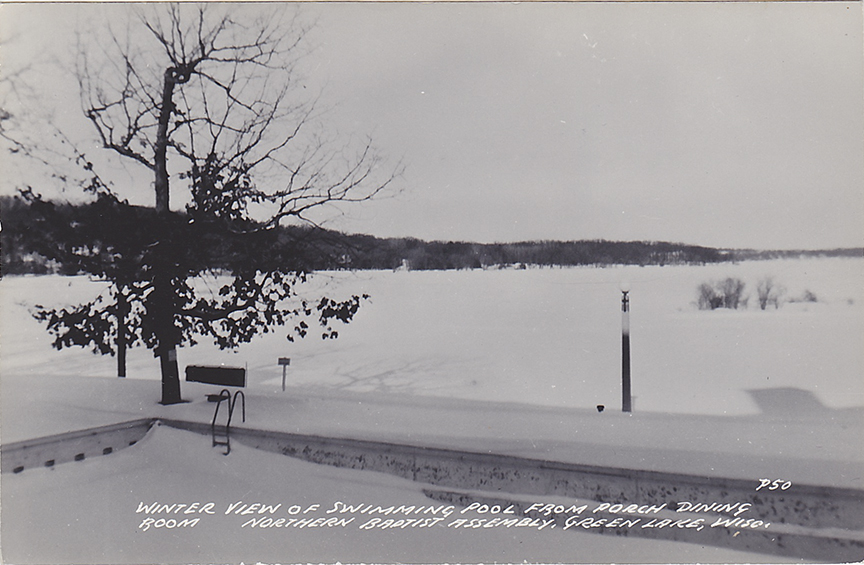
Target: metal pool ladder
x,y
220,438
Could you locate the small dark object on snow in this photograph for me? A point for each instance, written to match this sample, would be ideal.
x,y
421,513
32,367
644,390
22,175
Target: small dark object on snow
x,y
600,407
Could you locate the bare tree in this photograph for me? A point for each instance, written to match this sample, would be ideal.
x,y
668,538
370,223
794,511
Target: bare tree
x,y
732,290
13,89
769,292
206,99
728,293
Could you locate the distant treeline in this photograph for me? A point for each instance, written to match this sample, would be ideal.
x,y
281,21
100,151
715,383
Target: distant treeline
x,y
757,255
367,252
32,234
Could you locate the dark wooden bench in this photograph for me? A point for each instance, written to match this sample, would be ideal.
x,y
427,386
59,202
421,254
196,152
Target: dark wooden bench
x,y
216,375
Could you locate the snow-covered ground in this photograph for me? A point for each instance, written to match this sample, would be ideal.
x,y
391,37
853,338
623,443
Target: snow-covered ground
x,y
87,513
509,361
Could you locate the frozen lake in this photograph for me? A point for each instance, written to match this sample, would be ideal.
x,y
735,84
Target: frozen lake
x,y
546,337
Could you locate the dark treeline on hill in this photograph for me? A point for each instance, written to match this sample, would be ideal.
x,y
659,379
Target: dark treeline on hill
x,y
41,237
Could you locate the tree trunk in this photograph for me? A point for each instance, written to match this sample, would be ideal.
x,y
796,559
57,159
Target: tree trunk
x,y
122,310
160,157
162,281
162,305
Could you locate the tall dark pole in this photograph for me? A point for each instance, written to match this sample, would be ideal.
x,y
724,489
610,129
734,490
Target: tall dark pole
x,y
626,399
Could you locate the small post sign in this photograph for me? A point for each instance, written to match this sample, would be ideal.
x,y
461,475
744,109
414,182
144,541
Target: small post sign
x,y
284,362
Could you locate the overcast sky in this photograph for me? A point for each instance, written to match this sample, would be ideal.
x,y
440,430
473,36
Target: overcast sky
x,y
728,125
